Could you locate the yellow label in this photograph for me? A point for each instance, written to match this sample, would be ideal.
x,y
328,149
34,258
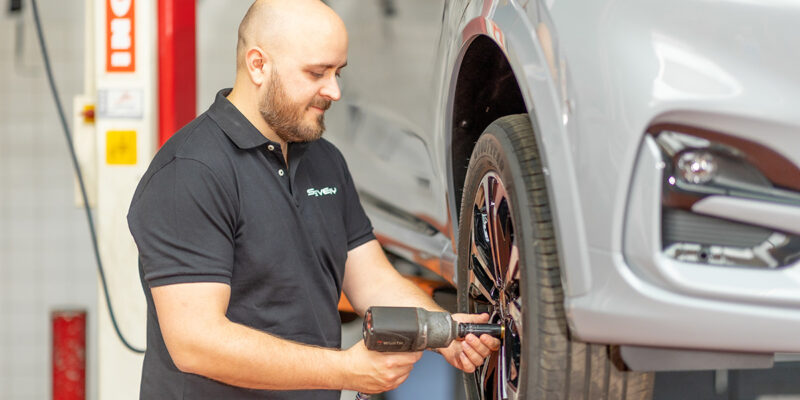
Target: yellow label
x,y
121,147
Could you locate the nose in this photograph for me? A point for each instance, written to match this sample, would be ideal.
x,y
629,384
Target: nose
x,y
330,90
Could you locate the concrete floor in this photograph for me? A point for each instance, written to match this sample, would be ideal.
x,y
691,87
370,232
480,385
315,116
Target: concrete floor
x,y
782,382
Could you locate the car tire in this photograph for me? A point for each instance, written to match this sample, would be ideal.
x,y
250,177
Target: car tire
x,y
508,266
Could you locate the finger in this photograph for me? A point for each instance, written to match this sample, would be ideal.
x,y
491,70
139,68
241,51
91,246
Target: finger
x,y
458,362
466,364
409,358
491,342
475,318
406,358
479,346
404,370
474,357
400,380
453,356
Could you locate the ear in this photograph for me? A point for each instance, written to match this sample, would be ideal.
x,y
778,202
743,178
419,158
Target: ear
x,y
258,65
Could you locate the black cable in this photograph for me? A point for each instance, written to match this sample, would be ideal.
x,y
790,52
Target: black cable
x,y
80,176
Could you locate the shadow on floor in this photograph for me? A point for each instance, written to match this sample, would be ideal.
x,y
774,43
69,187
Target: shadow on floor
x,y
781,382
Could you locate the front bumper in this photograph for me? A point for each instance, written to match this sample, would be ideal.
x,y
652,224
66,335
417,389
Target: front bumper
x,y
642,296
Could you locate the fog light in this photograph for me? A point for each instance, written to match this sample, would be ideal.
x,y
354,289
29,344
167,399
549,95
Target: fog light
x,y
697,166
704,164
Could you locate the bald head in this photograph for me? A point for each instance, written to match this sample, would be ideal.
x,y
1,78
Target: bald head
x,y
289,56
284,27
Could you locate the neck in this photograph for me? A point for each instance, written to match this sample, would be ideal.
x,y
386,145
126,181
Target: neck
x,y
242,99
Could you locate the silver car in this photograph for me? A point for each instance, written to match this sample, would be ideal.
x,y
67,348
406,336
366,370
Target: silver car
x,y
615,181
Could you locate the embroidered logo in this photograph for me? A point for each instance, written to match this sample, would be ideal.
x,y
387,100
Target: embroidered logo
x,y
326,191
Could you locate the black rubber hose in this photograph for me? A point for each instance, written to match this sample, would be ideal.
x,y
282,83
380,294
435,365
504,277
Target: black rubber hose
x,y
80,177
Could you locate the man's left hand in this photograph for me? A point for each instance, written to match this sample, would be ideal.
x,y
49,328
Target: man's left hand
x,y
471,352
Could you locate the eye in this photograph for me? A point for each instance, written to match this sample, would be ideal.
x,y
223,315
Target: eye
x,y
316,75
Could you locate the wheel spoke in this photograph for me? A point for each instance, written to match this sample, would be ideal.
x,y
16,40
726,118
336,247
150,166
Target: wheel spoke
x,y
481,268
512,271
501,231
489,377
515,312
480,253
493,226
512,349
480,233
481,281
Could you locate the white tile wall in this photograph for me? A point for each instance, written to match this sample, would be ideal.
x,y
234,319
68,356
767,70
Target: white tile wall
x,y
45,254
46,261
217,26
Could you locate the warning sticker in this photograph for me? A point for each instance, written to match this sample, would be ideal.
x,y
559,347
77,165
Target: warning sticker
x,y
123,103
121,147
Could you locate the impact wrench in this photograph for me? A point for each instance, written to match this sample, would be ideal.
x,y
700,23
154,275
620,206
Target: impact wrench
x,y
408,329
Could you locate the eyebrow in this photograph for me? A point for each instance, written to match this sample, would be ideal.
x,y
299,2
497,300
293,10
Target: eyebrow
x,y
326,66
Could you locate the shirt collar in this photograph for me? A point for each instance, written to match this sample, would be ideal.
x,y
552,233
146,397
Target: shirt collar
x,y
234,123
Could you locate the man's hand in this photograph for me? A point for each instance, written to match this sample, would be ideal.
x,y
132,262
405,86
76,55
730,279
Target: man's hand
x,y
470,353
375,372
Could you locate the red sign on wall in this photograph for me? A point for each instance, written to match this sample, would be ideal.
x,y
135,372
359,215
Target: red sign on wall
x,y
120,36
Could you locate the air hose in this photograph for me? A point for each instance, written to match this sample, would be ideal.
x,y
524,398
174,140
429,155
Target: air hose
x,y
78,173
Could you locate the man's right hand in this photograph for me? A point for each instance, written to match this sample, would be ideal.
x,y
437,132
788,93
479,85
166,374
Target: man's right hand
x,y
375,372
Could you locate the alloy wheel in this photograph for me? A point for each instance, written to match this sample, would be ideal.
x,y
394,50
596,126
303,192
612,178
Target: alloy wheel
x,y
494,286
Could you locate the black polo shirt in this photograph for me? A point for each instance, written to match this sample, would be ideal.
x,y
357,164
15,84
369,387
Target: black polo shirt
x,y
219,204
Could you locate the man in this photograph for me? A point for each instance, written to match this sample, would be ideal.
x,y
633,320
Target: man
x,y
249,227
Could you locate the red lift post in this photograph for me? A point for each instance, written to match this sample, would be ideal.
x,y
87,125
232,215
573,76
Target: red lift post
x,y
119,74
177,71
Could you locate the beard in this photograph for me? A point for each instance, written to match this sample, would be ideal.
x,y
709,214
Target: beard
x,y
285,117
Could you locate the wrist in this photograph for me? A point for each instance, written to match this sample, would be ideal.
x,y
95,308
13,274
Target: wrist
x,y
337,368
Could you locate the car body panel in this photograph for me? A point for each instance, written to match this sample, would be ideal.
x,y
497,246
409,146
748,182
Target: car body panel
x,y
636,70
547,103
594,76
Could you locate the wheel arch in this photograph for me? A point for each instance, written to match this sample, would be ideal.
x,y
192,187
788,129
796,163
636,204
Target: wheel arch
x,y
485,90
505,70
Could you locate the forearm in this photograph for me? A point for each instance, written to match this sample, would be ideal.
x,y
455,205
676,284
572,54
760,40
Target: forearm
x,y
392,289
371,280
245,357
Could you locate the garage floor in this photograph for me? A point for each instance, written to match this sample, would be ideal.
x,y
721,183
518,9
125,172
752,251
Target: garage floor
x,y
782,382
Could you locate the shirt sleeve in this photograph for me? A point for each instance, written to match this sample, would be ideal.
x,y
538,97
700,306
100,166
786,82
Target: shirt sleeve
x,y
359,227
183,222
